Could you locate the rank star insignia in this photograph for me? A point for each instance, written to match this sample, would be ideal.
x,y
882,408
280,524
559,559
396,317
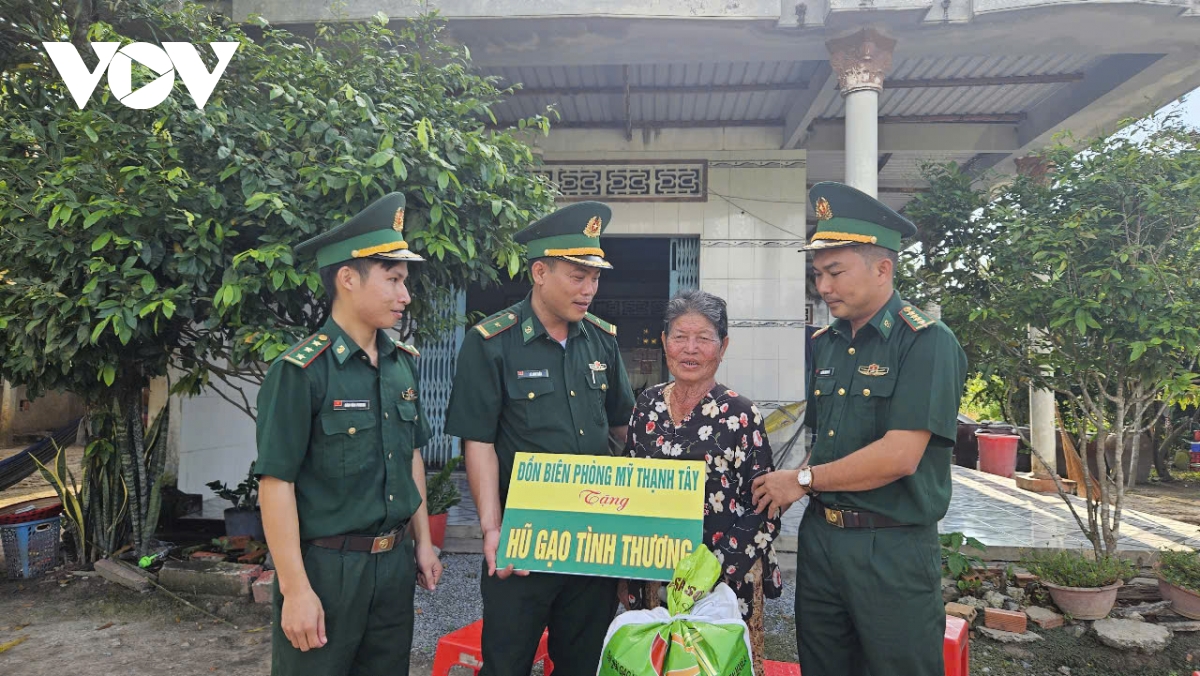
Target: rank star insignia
x,y
824,211
873,370
341,349
409,395
398,221
593,227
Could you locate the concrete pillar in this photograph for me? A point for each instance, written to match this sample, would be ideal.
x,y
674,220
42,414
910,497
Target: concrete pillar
x,y
861,60
8,410
1043,428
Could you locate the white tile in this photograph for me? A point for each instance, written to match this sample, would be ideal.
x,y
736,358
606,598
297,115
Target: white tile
x,y
791,380
739,373
716,218
741,298
666,217
718,181
691,218
741,262
768,262
767,304
768,341
717,286
714,262
766,379
742,224
741,343
792,264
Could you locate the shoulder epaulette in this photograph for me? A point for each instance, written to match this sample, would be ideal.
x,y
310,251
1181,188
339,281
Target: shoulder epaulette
x,y
496,324
821,330
610,329
306,351
916,319
407,348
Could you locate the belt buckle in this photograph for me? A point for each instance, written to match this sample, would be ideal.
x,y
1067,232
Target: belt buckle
x,y
383,543
834,518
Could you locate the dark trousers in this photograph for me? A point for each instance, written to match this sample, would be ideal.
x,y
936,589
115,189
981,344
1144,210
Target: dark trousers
x,y
868,601
576,609
368,602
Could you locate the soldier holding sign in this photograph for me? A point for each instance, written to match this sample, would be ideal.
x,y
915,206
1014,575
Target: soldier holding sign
x,y
543,376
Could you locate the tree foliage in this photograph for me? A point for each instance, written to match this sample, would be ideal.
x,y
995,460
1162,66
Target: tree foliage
x,y
1081,281
138,241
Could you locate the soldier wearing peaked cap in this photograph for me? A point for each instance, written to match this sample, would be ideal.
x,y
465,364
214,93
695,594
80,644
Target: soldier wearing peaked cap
x,y
542,376
884,389
342,483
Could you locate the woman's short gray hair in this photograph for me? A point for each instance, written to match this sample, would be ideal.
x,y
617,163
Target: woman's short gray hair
x,y
702,303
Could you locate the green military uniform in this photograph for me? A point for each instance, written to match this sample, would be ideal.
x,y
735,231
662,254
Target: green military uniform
x,y
343,432
520,389
868,588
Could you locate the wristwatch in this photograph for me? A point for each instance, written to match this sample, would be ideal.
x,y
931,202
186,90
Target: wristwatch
x,y
804,477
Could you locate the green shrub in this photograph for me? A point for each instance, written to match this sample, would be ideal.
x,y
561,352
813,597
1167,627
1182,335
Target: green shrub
x,y
1181,569
1071,569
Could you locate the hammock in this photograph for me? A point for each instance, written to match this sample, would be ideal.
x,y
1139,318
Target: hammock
x,y
15,469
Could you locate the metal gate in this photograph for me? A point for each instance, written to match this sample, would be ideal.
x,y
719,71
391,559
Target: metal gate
x,y
685,264
436,370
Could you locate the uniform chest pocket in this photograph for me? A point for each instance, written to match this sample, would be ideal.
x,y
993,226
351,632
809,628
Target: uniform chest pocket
x,y
823,387
532,400
347,444
871,398
597,382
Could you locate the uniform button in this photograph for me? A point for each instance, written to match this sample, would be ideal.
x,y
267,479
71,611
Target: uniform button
x,y
866,392
841,391
831,433
389,456
603,386
415,418
572,393
352,430
817,392
851,351
391,497
385,415
531,395
581,433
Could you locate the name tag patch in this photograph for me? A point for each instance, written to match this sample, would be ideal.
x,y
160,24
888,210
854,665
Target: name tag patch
x,y
351,404
536,373
824,373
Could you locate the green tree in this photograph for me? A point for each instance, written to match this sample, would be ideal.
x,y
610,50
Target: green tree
x,y
138,241
1099,256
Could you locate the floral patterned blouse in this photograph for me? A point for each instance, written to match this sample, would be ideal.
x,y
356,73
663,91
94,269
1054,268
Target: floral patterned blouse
x,y
726,431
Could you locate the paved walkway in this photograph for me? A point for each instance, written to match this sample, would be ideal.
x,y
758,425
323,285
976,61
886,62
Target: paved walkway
x,y
1007,519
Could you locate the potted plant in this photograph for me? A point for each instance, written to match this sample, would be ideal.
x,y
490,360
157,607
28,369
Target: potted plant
x,y
1085,589
441,493
1179,581
244,518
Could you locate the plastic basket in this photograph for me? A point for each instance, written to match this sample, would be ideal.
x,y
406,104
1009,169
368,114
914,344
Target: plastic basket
x,y
31,549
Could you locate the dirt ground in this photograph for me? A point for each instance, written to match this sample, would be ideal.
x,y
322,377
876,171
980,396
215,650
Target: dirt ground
x,y
87,627
1179,500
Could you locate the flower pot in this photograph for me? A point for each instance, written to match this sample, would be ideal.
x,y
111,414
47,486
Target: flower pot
x,y
244,522
1183,601
998,453
1085,603
437,529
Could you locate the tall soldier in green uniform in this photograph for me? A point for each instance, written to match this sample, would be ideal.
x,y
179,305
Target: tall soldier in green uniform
x,y
543,376
885,385
340,428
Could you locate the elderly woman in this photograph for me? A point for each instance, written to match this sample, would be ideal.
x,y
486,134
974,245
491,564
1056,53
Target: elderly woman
x,y
696,418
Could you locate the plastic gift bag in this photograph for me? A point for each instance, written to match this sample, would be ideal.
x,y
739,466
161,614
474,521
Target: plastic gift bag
x,y
699,633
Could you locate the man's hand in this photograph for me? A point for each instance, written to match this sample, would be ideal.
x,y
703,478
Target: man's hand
x,y
303,620
491,542
429,567
776,491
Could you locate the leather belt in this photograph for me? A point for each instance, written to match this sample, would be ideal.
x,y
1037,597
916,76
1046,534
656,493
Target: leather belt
x,y
849,518
362,543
